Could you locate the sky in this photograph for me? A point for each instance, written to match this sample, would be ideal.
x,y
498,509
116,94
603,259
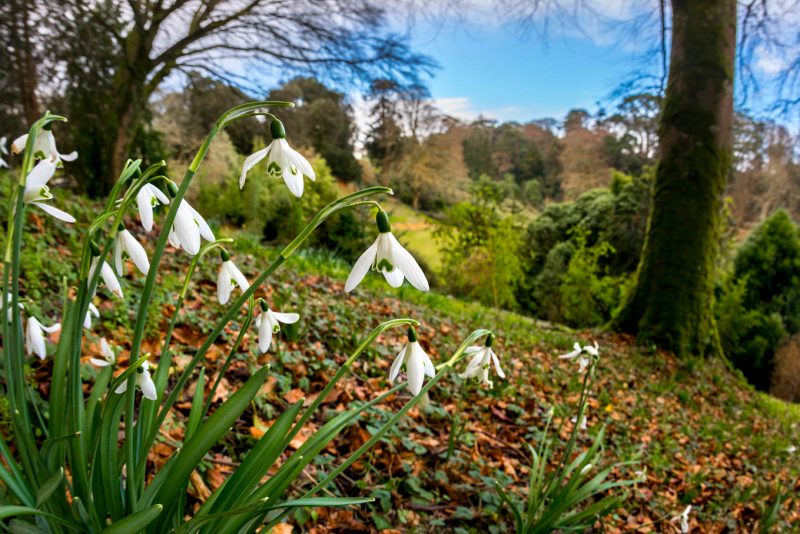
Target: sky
x,y
500,73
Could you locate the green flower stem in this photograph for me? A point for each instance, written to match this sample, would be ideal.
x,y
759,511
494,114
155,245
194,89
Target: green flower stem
x,y
442,370
149,407
341,372
239,338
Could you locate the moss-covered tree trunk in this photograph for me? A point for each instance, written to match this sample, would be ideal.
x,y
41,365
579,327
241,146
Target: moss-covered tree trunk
x,y
671,304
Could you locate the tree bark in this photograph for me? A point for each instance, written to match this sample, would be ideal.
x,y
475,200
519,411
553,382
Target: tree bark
x,y
672,302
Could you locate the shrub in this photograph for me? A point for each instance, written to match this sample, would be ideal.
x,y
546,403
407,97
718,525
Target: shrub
x,y
758,303
614,219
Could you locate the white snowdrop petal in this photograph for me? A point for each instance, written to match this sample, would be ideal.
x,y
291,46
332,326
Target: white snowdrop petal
x,y
408,265
397,364
264,334
394,277
224,286
147,386
55,212
361,267
250,162
136,251
415,368
286,318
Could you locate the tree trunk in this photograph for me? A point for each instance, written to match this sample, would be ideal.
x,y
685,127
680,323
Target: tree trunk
x,y
672,303
27,76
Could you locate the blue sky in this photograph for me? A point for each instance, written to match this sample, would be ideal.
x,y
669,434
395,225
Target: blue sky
x,y
500,73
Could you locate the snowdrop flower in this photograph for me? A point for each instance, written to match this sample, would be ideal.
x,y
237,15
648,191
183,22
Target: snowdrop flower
x,y
389,257
684,519
109,358
9,308
144,381
147,198
268,323
584,424
791,449
37,192
126,246
482,361
44,147
108,276
188,228
3,152
418,364
34,337
586,469
87,321
229,277
282,160
584,360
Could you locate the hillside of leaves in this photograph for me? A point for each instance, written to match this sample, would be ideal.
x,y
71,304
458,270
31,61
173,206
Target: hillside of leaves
x,y
701,435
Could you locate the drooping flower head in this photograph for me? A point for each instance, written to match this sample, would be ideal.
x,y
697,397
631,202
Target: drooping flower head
x,y
229,277
106,272
482,360
683,519
269,322
38,194
147,198
586,353
416,361
109,356
282,160
126,246
87,321
34,337
189,227
44,147
144,381
387,256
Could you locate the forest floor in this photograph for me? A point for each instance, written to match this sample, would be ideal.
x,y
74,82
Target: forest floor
x,y
703,436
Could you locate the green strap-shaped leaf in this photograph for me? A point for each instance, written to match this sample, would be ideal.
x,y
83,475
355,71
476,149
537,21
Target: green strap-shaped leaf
x,y
135,522
15,511
49,487
313,502
206,436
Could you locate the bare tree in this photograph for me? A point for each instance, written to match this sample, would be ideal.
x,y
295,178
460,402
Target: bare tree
x,y
131,47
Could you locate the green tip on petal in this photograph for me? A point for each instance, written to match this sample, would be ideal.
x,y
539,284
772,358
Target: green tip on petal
x,y
412,334
264,306
489,340
276,129
223,254
382,220
95,248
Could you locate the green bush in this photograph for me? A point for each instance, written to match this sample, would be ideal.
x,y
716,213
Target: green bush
x,y
614,219
758,303
588,295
